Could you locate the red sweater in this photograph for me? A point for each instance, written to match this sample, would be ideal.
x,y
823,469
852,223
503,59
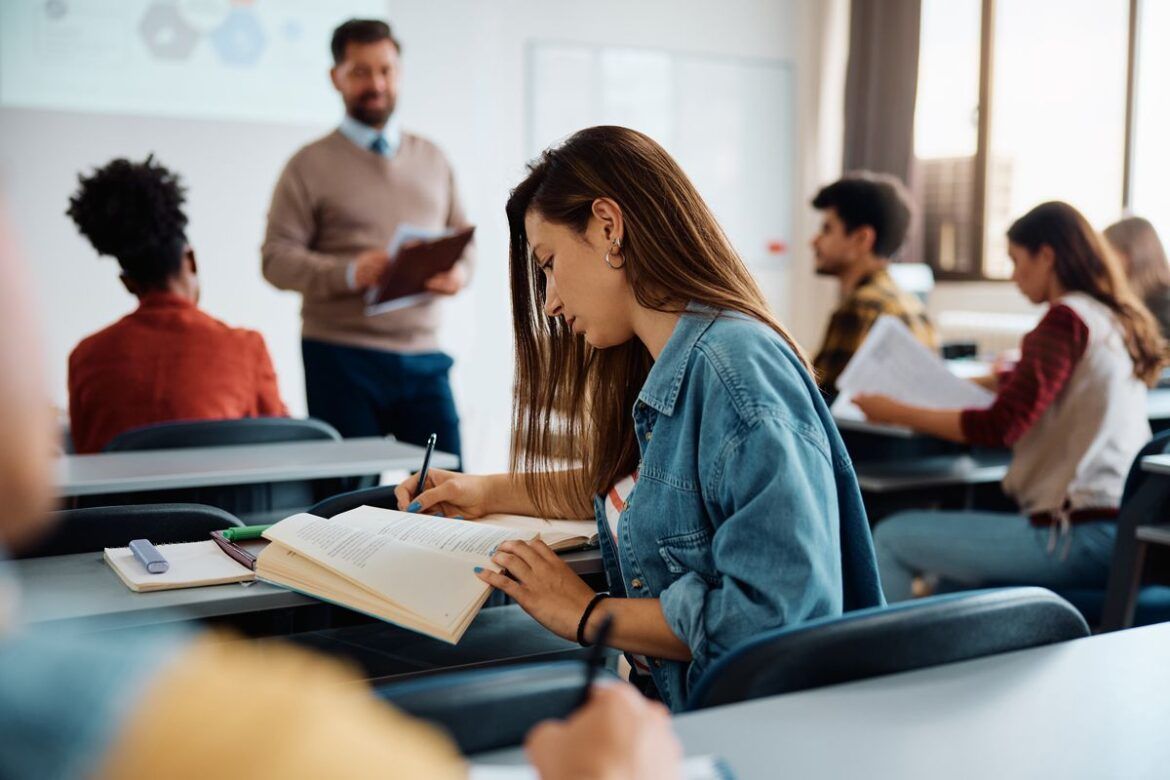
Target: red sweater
x,y
167,361
1048,356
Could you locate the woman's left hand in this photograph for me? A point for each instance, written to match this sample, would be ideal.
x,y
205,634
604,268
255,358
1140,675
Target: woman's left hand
x,y
878,408
542,584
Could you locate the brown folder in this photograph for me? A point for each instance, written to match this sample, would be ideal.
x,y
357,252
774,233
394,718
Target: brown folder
x,y
402,281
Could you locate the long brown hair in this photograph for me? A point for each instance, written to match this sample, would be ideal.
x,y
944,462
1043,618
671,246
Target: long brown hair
x,y
1085,263
1136,240
573,403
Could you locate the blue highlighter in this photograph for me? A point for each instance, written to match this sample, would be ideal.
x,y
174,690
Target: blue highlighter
x,y
149,556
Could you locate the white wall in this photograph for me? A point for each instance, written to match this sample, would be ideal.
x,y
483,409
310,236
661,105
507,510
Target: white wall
x,y
462,86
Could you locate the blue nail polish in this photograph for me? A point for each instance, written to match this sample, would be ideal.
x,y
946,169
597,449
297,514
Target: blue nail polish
x,y
414,506
460,517
439,514
478,569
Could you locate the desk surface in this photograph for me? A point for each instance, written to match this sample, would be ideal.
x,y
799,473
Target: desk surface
x,y
1156,464
1091,708
973,469
118,472
80,592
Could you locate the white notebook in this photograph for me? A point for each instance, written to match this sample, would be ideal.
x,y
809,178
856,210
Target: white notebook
x,y
192,565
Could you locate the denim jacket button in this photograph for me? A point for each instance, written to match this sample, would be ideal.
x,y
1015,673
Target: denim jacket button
x,y
636,584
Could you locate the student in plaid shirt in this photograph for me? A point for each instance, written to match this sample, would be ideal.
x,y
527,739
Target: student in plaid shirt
x,y
865,221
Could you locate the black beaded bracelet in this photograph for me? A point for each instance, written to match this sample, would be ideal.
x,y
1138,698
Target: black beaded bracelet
x,y
593,602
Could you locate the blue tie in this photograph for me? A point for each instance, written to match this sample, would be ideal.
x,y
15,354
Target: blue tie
x,y
380,146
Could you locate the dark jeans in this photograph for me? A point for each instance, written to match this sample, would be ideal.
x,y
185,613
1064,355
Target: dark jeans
x,y
367,392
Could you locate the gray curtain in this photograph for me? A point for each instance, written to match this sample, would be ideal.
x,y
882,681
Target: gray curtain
x,y
881,84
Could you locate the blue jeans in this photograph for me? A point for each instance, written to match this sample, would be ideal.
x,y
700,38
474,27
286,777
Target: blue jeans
x,y
978,549
367,392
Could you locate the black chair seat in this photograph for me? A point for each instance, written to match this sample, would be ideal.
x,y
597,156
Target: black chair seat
x,y
885,640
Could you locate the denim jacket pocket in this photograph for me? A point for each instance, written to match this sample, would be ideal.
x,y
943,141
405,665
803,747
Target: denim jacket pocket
x,y
690,551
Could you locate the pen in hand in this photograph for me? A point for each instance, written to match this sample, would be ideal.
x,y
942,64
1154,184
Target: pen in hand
x,y
596,658
422,473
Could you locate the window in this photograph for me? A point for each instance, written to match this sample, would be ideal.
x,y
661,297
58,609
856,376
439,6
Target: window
x,y
1149,194
1023,101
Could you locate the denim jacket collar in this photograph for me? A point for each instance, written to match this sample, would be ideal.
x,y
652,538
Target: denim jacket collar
x,y
660,390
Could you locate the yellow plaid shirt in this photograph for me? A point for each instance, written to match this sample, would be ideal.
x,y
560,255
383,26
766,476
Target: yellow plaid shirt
x,y
873,297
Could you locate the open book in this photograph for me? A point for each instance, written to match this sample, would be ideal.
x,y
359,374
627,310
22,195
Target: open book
x,y
416,571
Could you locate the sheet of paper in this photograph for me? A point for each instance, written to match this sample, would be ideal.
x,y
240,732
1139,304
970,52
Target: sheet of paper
x,y
892,362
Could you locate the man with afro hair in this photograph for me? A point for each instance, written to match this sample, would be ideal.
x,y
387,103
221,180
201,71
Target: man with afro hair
x,y
168,360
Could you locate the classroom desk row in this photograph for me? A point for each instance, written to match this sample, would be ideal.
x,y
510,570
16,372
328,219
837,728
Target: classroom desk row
x,y
127,472
1090,708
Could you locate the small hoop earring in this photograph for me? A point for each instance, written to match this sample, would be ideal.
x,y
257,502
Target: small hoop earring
x,y
615,246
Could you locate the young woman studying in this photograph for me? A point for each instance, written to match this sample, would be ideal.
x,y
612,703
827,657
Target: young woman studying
x,y
1073,411
657,393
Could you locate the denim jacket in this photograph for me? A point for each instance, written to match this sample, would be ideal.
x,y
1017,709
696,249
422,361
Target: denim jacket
x,y
746,515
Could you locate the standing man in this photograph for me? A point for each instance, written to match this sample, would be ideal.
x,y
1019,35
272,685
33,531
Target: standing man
x,y
864,222
336,207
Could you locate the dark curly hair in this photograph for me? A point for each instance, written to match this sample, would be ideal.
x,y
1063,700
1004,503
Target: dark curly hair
x,y
134,212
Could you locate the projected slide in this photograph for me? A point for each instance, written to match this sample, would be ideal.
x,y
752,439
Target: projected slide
x,y
263,60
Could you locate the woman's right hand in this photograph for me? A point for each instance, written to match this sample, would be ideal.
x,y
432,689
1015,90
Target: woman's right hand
x,y
449,492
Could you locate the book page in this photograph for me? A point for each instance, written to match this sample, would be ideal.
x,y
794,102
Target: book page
x,y
356,536
892,362
585,529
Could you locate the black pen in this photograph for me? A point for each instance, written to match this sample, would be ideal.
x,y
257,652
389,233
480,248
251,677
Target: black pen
x,y
596,659
422,474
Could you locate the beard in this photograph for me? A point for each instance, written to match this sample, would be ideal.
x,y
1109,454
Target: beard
x,y
369,115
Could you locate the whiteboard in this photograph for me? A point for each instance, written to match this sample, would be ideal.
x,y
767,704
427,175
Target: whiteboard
x,y
728,121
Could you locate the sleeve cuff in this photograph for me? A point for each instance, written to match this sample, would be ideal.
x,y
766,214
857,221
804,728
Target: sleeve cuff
x,y
351,275
683,606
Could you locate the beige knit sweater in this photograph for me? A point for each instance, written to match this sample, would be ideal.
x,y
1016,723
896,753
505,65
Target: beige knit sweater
x,y
334,200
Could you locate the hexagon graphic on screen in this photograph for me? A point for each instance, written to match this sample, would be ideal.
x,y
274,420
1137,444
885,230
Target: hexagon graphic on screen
x,y
240,39
166,34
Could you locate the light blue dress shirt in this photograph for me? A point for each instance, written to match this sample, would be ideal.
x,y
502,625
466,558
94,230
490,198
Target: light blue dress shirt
x,y
364,136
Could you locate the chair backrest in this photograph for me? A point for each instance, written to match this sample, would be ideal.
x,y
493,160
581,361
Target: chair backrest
x,y
382,497
256,500
222,433
486,709
885,640
91,530
1155,446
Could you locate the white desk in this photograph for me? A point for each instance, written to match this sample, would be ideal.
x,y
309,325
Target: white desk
x,y
1156,464
1092,708
122,472
933,471
81,593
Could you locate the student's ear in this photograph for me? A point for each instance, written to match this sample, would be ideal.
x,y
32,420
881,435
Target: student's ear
x,y
1046,256
130,285
864,238
609,213
189,260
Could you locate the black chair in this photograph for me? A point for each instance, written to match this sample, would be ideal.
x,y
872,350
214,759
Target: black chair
x,y
91,530
257,501
885,640
381,497
1129,597
487,709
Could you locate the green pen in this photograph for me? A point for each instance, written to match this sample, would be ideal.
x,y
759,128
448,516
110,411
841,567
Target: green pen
x,y
245,533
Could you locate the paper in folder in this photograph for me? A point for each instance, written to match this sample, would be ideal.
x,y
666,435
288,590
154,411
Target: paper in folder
x,y
416,255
